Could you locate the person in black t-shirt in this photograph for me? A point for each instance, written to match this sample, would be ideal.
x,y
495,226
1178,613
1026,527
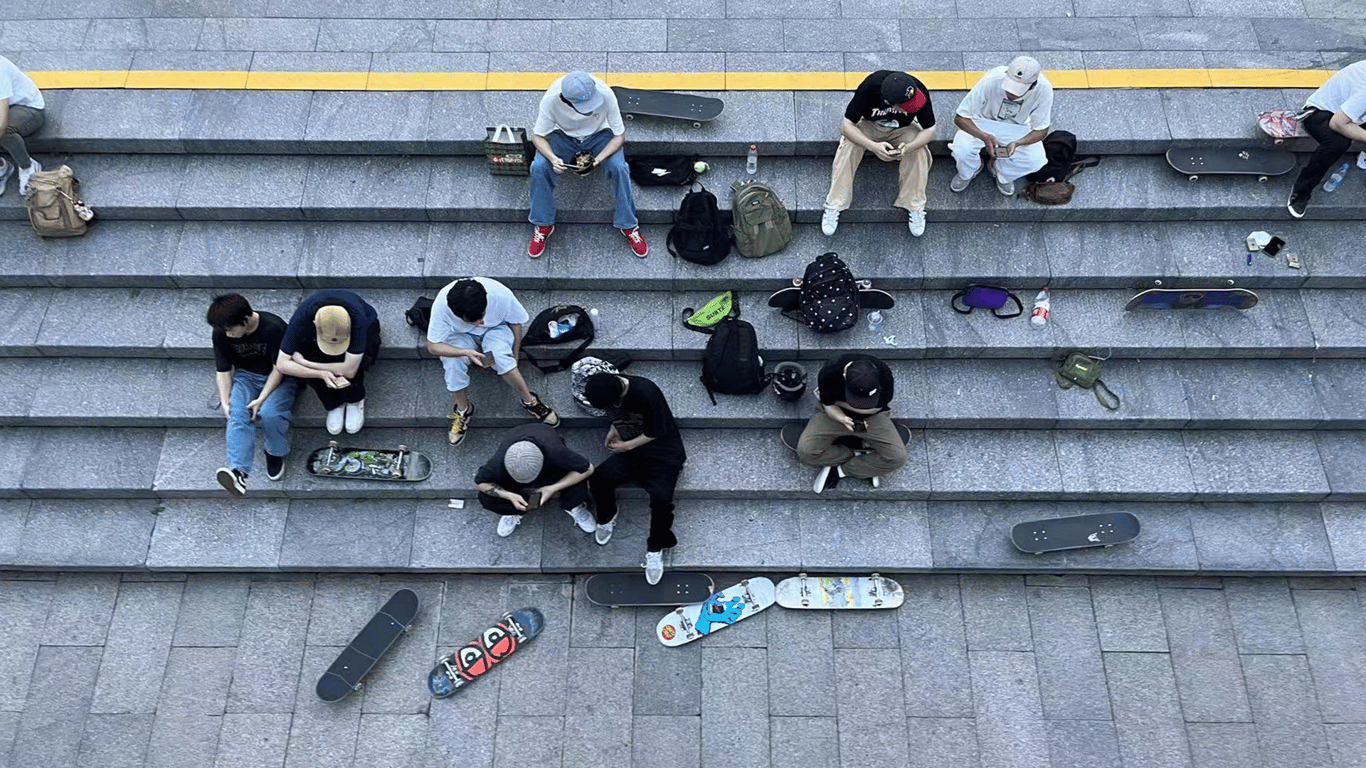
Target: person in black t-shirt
x,y
891,116
245,344
533,460
647,449
853,392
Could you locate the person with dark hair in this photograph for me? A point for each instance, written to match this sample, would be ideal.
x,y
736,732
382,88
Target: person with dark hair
x,y
332,339
21,114
478,320
647,449
853,392
531,467
245,345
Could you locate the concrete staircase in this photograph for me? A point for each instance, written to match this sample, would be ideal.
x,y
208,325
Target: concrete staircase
x,y
1238,443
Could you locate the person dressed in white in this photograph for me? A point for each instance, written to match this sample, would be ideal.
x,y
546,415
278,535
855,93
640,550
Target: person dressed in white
x,y
21,114
1336,116
1008,113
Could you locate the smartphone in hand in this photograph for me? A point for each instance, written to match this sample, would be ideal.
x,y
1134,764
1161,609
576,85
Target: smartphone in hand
x,y
533,500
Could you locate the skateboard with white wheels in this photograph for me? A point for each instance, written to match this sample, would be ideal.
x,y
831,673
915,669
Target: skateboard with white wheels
x,y
732,604
468,663
1075,532
839,592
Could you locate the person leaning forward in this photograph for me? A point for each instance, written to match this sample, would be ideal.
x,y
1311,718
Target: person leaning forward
x,y
21,114
853,394
531,467
1337,117
1008,113
891,116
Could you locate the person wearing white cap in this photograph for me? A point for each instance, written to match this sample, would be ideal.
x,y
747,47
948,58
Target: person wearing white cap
x,y
579,113
531,467
331,340
1008,113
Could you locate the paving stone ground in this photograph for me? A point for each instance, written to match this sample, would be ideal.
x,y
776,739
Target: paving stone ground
x,y
105,670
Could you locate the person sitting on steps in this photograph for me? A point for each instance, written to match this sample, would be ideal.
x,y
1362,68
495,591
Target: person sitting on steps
x,y
477,319
332,339
21,114
891,116
534,461
1337,117
246,343
852,393
579,113
1008,112
647,449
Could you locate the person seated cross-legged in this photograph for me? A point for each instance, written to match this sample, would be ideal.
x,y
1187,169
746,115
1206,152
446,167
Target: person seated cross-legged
x,y
853,392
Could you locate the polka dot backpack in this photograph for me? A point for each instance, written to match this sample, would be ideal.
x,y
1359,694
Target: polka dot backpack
x,y
828,298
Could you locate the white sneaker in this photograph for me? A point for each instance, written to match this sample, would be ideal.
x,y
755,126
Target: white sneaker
x,y
24,173
960,183
1361,160
830,221
355,417
654,567
507,524
583,518
917,223
335,418
1006,188
875,481
6,171
825,479
603,533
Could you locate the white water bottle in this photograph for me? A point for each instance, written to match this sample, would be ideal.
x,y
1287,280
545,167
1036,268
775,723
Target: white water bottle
x,y
1041,306
1335,180
752,162
874,319
596,317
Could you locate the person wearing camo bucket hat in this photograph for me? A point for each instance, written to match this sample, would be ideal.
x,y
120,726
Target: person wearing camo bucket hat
x,y
532,467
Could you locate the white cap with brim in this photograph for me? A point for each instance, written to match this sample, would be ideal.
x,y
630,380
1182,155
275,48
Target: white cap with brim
x,y
582,91
1021,73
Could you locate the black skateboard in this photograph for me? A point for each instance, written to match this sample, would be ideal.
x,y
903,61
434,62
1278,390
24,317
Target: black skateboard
x,y
679,106
791,433
457,670
631,589
369,645
1193,298
1253,161
1078,532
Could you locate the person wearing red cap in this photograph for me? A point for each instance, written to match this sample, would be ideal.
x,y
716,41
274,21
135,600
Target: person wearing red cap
x,y
1008,113
891,116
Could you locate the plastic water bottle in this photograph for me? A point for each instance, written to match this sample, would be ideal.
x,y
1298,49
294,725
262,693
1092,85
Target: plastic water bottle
x,y
874,319
1041,306
596,317
1335,180
752,162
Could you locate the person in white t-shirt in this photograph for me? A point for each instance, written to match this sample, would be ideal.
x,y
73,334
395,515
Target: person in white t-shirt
x,y
579,113
478,320
21,114
1008,113
1337,117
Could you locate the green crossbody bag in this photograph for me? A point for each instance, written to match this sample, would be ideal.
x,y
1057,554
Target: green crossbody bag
x,y
1080,370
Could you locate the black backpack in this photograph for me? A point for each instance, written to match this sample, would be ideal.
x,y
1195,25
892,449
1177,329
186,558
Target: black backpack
x,y
538,334
828,298
731,363
419,315
700,233
663,171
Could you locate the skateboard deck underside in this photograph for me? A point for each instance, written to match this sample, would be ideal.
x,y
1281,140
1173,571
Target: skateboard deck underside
x,y
468,663
869,298
1194,298
1079,532
679,106
836,592
365,464
675,588
730,605
1251,161
369,645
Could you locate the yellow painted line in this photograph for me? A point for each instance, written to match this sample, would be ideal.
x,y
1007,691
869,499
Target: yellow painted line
x,y
427,81
698,81
168,79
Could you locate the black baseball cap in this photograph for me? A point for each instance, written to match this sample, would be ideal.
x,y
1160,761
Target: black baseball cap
x,y
898,89
861,384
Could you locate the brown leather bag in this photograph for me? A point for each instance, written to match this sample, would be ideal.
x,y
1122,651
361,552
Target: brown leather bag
x,y
1057,192
54,204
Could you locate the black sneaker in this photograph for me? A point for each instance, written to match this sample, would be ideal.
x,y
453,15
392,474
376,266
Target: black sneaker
x,y
275,467
233,481
1296,205
541,411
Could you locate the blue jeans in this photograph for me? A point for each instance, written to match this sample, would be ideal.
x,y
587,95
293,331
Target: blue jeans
x,y
544,178
277,413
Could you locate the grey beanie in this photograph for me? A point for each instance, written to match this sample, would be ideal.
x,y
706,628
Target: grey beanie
x,y
523,461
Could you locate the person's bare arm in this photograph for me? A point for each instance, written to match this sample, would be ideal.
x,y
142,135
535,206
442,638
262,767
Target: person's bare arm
x,y
1340,122
492,489
289,366
517,333
347,367
921,139
615,144
969,126
543,147
1032,137
442,349
272,381
224,381
4,115
569,479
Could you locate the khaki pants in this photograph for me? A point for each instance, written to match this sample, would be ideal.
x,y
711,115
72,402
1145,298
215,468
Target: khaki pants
x,y
915,167
817,447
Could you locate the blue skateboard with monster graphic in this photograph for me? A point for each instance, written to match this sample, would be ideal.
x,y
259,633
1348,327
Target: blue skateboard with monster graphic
x,y
732,604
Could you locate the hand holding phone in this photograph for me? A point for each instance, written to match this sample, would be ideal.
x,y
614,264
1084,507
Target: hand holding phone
x,y
533,499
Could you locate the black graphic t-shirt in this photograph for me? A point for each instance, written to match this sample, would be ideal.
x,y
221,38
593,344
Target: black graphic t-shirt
x,y
255,352
867,103
645,411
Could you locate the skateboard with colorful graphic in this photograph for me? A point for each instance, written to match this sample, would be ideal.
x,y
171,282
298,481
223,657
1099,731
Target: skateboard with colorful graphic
x,y
1193,298
1077,532
730,605
468,663
401,466
630,589
836,592
1251,161
678,106
369,645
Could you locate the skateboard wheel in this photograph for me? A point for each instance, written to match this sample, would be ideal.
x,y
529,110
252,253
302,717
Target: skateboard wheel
x,y
403,449
696,125
1192,178
630,116
1261,179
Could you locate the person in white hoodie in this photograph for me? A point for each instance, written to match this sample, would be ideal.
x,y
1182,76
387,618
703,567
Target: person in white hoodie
x,y
21,114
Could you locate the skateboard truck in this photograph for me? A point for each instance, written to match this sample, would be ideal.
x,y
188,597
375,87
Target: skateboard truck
x,y
331,457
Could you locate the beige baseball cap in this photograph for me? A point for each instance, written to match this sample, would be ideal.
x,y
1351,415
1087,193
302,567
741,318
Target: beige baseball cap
x,y
334,329
1021,73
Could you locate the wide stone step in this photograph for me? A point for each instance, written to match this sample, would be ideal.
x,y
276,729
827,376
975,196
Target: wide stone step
x,y
426,535
410,188
56,322
939,394
416,255
960,464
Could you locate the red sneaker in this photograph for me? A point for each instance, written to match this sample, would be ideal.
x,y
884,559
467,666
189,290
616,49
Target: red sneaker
x,y
538,238
638,243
